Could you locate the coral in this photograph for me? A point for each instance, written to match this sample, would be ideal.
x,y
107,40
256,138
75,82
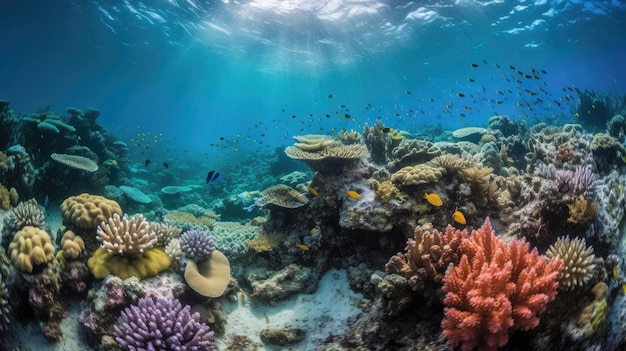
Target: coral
x,y
72,245
469,133
5,307
592,320
165,232
75,161
386,191
583,181
506,126
209,277
282,196
426,258
505,286
453,163
135,194
282,336
160,323
265,242
281,284
31,247
197,245
75,277
377,142
147,264
103,305
173,251
295,178
25,213
313,142
331,159
484,189
581,211
411,152
126,237
578,258
187,220
87,211
416,175
231,237
5,199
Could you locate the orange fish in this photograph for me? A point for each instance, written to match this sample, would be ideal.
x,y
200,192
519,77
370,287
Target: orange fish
x,y
313,191
353,194
433,199
458,216
302,247
256,293
313,230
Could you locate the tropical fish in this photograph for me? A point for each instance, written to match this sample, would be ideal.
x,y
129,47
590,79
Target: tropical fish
x,y
330,96
386,130
147,163
313,230
474,65
313,191
458,216
302,247
167,166
624,288
397,137
353,194
255,293
615,272
213,177
433,199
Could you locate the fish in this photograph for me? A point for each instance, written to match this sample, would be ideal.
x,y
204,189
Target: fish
x,y
386,130
213,177
45,201
408,92
433,199
330,96
255,293
615,272
148,162
460,94
458,216
397,137
302,247
166,165
314,230
353,194
313,191
474,65
345,116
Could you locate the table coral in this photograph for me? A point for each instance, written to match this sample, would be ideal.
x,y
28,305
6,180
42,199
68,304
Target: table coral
x,y
331,159
505,286
86,211
31,247
282,195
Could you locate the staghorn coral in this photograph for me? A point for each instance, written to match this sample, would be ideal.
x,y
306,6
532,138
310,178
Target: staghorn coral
x,y
416,175
283,196
196,244
87,211
75,161
386,191
160,323
578,259
124,236
31,247
505,286
427,257
331,159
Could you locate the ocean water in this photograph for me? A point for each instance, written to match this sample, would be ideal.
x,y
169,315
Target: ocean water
x,y
192,87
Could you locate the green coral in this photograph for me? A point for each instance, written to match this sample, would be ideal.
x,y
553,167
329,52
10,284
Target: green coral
x,y
147,264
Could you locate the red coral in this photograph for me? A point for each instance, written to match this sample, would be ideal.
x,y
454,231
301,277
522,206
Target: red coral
x,y
495,287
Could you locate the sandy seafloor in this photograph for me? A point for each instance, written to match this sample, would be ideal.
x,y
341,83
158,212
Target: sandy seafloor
x,y
321,314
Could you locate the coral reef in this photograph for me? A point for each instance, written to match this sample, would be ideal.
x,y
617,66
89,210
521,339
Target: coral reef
x,y
86,211
209,277
164,232
579,261
505,286
160,323
197,245
31,247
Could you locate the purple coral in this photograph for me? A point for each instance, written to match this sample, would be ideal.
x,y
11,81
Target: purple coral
x,y
160,323
197,245
583,181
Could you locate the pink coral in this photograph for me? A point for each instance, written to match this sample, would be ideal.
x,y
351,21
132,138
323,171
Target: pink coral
x,y
495,287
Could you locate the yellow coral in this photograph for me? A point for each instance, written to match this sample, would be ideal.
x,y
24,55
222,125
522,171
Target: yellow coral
x,y
87,211
386,191
581,210
265,242
5,198
416,175
72,245
149,263
31,246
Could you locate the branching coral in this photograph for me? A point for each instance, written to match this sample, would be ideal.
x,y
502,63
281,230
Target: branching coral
x,y
124,236
160,323
578,258
25,213
197,244
164,232
495,287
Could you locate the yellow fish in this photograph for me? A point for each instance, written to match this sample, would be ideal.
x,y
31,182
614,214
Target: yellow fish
x,y
313,230
353,194
615,272
624,288
624,158
397,137
302,247
313,191
255,293
433,199
248,195
458,216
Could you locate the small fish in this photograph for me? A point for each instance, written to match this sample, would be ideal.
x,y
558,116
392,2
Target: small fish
x,y
248,195
302,247
458,216
460,94
386,130
330,96
313,191
433,199
397,137
624,158
147,163
314,230
353,194
45,201
255,293
615,272
213,177
167,166
407,92
345,116
474,65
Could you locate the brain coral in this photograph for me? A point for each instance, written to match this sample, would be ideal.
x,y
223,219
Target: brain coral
x,y
87,211
416,175
72,245
30,247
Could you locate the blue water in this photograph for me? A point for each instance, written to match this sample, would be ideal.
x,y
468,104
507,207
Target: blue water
x,y
258,72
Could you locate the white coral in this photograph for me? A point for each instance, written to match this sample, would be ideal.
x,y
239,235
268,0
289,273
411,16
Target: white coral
x,y
126,236
578,259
